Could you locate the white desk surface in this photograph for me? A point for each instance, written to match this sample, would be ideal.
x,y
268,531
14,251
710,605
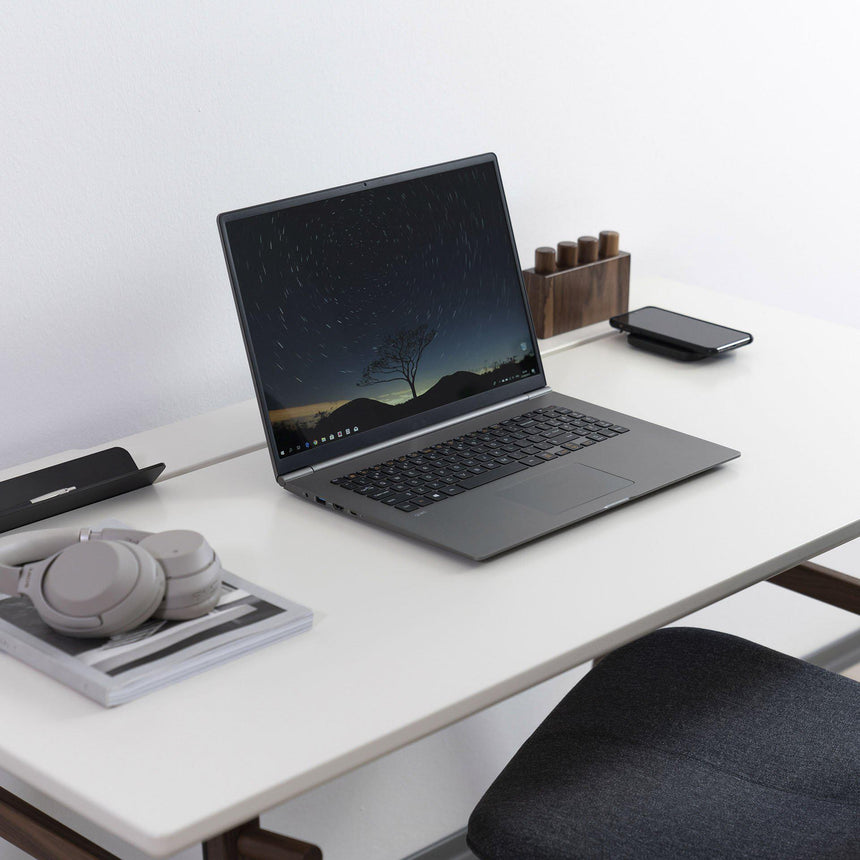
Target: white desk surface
x,y
407,638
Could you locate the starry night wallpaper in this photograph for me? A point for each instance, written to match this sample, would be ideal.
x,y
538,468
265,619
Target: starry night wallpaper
x,y
379,304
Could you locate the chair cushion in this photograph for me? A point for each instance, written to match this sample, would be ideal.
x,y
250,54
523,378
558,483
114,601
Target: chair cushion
x,y
685,743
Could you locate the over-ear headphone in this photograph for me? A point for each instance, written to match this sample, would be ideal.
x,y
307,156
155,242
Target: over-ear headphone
x,y
98,583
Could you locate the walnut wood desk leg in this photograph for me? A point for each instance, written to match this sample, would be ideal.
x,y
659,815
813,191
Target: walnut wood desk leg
x,y
44,838
822,583
251,842
41,836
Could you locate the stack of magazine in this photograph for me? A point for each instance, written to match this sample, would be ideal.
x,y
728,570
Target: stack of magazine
x,y
116,670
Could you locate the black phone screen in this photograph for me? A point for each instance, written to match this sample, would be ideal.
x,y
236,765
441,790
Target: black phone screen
x,y
671,327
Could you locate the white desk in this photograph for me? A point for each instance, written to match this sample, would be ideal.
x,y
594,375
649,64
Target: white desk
x,y
409,639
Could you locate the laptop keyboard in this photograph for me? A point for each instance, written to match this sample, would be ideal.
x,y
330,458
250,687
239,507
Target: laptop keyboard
x,y
434,474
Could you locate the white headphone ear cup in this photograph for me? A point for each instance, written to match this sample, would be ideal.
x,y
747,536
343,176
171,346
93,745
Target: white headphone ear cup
x,y
97,589
207,594
193,573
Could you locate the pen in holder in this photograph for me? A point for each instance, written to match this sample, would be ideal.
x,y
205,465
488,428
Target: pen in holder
x,y
586,282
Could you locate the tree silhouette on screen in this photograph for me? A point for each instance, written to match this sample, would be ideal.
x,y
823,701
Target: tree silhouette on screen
x,y
398,357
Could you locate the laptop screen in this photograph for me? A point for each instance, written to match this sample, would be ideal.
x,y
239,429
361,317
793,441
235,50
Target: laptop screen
x,y
379,303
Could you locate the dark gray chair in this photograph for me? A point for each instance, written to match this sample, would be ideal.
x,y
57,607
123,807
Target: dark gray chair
x,y
686,743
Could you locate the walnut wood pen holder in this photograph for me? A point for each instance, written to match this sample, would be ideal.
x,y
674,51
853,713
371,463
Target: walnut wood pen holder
x,y
570,298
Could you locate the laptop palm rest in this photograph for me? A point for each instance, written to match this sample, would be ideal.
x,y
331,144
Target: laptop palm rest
x,y
564,488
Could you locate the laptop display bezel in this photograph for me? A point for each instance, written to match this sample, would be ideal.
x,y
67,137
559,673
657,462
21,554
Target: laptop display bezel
x,y
404,426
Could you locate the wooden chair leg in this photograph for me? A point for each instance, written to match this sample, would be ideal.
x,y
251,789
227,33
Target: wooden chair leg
x,y
41,836
821,583
250,842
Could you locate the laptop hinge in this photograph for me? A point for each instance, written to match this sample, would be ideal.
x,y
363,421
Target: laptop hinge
x,y
302,473
299,473
539,393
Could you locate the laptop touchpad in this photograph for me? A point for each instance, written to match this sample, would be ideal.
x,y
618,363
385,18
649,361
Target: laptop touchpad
x,y
563,488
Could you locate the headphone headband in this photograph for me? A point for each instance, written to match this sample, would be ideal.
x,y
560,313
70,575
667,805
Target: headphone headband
x,y
25,547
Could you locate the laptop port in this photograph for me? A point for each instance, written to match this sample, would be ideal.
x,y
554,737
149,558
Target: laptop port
x,y
319,500
337,507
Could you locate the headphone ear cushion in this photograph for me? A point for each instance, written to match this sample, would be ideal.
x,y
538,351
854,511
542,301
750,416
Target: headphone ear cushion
x,y
192,570
97,588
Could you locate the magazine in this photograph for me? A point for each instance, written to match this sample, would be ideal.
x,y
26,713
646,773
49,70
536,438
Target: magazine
x,y
123,667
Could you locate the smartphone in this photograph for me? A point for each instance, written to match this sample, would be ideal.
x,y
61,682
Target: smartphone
x,y
678,335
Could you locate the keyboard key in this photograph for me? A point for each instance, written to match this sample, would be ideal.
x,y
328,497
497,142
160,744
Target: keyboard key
x,y
531,461
406,506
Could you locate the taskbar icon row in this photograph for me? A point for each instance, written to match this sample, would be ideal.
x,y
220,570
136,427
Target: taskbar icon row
x,y
322,440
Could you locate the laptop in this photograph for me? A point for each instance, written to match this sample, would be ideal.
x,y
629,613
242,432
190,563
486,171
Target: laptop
x,y
398,375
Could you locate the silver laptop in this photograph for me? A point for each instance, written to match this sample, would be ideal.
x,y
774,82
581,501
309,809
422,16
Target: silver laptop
x,y
398,375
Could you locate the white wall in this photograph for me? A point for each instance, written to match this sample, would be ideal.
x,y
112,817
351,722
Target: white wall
x,y
720,139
